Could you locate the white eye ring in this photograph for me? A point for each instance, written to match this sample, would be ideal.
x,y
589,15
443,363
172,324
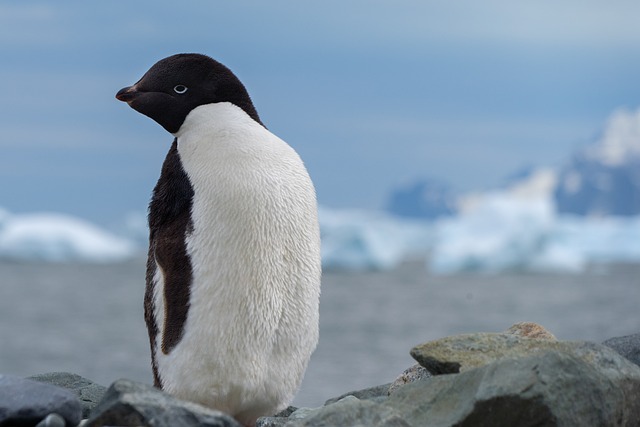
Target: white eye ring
x,y
180,89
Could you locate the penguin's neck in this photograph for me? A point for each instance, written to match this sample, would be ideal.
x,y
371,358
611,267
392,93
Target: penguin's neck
x,y
222,138
219,122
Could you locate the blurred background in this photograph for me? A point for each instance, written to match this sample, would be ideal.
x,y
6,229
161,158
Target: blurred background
x,y
477,164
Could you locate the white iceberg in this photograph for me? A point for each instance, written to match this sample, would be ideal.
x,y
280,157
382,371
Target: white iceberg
x,y
57,238
364,240
504,232
499,233
495,232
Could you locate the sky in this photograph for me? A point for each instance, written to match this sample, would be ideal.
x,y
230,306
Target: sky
x,y
372,94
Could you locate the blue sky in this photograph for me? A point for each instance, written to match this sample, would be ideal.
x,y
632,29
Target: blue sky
x,y
372,94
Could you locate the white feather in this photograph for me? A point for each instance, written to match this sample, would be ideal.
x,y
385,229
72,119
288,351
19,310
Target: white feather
x,y
255,250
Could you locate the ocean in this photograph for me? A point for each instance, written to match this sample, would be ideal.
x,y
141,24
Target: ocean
x,y
87,318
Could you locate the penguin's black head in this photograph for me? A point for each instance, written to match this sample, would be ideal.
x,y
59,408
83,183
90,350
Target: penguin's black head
x,y
176,85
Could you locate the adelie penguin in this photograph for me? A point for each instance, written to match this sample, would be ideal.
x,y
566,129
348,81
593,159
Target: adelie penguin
x,y
233,274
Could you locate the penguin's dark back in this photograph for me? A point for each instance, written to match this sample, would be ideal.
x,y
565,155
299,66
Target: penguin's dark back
x,y
169,223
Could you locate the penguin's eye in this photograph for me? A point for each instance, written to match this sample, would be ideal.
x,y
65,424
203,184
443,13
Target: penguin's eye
x,y
180,89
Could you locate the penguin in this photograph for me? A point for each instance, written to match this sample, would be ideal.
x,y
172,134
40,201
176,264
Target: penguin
x,y
233,271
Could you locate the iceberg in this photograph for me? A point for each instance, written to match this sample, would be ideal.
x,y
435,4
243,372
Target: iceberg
x,y
506,233
517,229
365,240
514,230
500,233
598,240
58,238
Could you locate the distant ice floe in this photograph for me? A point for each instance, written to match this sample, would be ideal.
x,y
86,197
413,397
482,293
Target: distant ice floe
x,y
364,240
495,232
57,238
498,233
515,229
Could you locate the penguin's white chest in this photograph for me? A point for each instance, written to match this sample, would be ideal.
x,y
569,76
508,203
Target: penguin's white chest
x,y
254,248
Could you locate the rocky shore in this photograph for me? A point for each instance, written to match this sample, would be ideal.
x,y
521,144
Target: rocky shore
x,y
521,377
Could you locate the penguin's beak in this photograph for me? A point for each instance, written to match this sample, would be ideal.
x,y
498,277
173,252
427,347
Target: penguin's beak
x,y
127,94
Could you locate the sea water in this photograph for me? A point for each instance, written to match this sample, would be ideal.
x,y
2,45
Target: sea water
x,y
88,318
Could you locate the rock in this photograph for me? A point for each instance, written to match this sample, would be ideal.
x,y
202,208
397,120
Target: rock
x,y
127,403
414,373
521,329
286,412
547,388
461,353
271,421
52,420
303,413
530,330
364,394
628,346
349,411
88,392
277,420
26,402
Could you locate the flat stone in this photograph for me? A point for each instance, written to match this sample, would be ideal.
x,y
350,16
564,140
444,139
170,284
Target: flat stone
x,y
88,392
461,353
127,403
627,346
548,388
27,402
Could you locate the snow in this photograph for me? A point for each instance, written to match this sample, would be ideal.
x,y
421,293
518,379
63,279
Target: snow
x,y
620,140
57,238
603,178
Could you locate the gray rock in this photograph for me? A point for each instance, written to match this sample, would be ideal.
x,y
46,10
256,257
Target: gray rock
x,y
550,388
272,421
88,392
628,346
127,403
303,413
488,352
26,402
546,389
364,394
52,420
286,412
349,411
461,353
278,420
414,373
